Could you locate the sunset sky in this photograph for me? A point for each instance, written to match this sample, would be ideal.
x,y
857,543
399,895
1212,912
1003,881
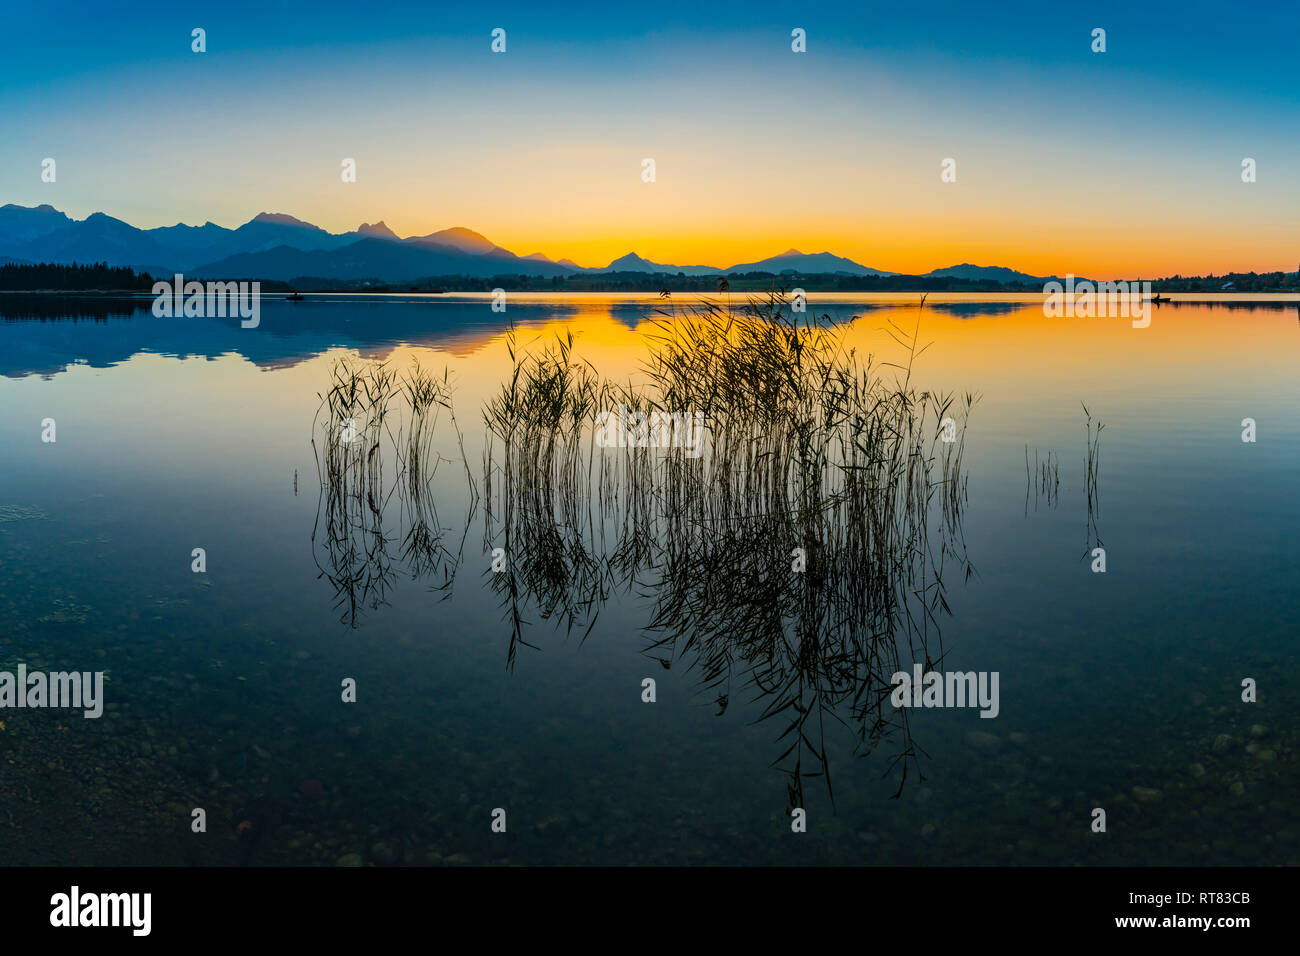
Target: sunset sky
x,y
1123,163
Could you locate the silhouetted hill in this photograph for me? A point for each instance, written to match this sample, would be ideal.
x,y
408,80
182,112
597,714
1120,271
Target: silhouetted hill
x,y
458,237
372,259
377,230
821,263
23,223
634,263
278,246
996,273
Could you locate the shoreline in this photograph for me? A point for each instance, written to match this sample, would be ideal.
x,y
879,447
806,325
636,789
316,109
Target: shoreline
x,y
1011,295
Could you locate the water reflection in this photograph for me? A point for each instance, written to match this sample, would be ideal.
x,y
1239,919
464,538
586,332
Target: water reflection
x,y
798,556
689,565
795,560
372,418
34,307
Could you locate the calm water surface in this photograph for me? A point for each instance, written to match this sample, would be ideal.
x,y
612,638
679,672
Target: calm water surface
x,y
1118,690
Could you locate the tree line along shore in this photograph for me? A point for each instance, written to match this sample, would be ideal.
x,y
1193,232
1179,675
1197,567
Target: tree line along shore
x,y
103,278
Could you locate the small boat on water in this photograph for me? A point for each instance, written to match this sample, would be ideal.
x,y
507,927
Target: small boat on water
x,y
1157,299
296,297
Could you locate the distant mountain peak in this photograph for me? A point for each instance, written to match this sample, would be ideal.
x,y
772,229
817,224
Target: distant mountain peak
x,y
20,224
537,257
970,271
635,263
103,218
466,240
283,219
799,262
378,229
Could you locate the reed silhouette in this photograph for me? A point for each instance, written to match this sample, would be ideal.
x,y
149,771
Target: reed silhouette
x,y
800,556
1044,479
796,553
368,414
1092,482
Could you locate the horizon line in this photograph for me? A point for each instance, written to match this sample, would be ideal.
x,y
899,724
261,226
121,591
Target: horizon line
x,y
268,216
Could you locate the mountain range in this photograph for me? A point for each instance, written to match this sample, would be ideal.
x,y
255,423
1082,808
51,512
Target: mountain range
x,y
279,246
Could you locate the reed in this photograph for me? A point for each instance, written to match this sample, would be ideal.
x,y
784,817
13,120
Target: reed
x,y
1092,481
1044,478
798,554
795,556
370,416
1092,471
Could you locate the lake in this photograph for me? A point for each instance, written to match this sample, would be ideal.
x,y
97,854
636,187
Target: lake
x,y
478,689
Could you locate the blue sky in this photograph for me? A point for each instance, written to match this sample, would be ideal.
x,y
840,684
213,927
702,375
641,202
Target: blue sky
x,y
541,148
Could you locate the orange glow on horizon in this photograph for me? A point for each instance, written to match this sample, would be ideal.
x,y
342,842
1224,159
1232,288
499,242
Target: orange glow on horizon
x,y
1041,249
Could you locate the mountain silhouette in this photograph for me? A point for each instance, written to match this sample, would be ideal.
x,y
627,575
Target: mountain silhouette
x,y
458,237
377,230
976,273
372,258
818,262
23,223
275,245
634,263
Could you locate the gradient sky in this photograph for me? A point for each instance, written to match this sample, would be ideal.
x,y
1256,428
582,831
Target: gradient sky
x,y
1125,163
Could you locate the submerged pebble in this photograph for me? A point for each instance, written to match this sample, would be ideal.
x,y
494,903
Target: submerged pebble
x,y
981,740
383,854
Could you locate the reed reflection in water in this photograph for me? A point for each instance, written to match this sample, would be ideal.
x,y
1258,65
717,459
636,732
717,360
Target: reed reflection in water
x,y
797,556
